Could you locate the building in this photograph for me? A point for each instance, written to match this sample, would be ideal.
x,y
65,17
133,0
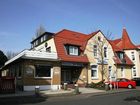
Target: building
x,y
132,52
74,58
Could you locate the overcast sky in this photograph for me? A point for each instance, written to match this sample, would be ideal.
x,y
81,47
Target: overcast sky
x,y
19,19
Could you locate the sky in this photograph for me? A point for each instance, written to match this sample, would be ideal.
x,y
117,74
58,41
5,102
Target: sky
x,y
19,19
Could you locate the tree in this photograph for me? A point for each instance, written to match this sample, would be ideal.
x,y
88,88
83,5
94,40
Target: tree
x,y
40,31
10,54
3,58
100,46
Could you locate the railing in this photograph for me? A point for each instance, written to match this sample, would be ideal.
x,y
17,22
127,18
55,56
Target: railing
x,y
7,85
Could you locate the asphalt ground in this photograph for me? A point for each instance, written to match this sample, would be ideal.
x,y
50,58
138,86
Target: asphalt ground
x,y
119,98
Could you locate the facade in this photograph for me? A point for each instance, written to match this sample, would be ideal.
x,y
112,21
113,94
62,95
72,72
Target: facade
x,y
73,58
131,50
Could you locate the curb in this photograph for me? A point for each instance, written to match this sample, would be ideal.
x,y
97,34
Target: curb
x,y
83,94
73,94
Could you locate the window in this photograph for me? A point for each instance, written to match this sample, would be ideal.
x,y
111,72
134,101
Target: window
x,y
42,39
134,71
36,42
19,71
94,72
99,38
105,52
133,56
121,55
42,71
95,50
73,50
122,71
110,72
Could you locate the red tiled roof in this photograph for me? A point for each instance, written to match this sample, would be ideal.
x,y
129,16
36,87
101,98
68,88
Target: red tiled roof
x,y
118,61
120,45
125,42
73,38
116,41
114,47
138,46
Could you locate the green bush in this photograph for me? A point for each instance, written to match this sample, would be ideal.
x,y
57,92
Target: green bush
x,y
99,85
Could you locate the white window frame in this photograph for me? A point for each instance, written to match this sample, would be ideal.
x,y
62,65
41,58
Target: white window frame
x,y
36,42
51,74
106,52
121,56
95,54
73,50
122,72
42,39
133,71
96,71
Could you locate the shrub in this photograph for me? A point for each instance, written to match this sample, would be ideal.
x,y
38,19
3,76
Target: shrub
x,y
99,85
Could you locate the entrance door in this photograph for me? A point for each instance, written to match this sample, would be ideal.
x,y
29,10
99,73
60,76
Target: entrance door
x,y
66,76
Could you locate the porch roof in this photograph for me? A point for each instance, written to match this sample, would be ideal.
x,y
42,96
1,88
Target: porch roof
x,y
37,55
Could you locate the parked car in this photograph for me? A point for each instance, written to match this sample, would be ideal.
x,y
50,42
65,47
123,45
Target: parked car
x,y
123,83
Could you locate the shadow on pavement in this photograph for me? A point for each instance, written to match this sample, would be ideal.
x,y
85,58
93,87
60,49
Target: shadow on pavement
x,y
136,99
22,100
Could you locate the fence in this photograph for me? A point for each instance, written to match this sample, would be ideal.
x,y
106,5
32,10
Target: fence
x,y
7,85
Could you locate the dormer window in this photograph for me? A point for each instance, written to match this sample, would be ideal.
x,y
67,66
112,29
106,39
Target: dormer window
x,y
120,55
42,39
72,50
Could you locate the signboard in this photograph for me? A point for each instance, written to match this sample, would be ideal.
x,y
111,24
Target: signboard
x,y
29,71
72,64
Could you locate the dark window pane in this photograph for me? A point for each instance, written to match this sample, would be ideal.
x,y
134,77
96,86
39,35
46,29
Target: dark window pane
x,y
43,71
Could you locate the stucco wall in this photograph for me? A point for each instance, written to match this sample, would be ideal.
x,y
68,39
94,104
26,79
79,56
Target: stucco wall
x,y
136,61
83,76
50,44
94,60
127,72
